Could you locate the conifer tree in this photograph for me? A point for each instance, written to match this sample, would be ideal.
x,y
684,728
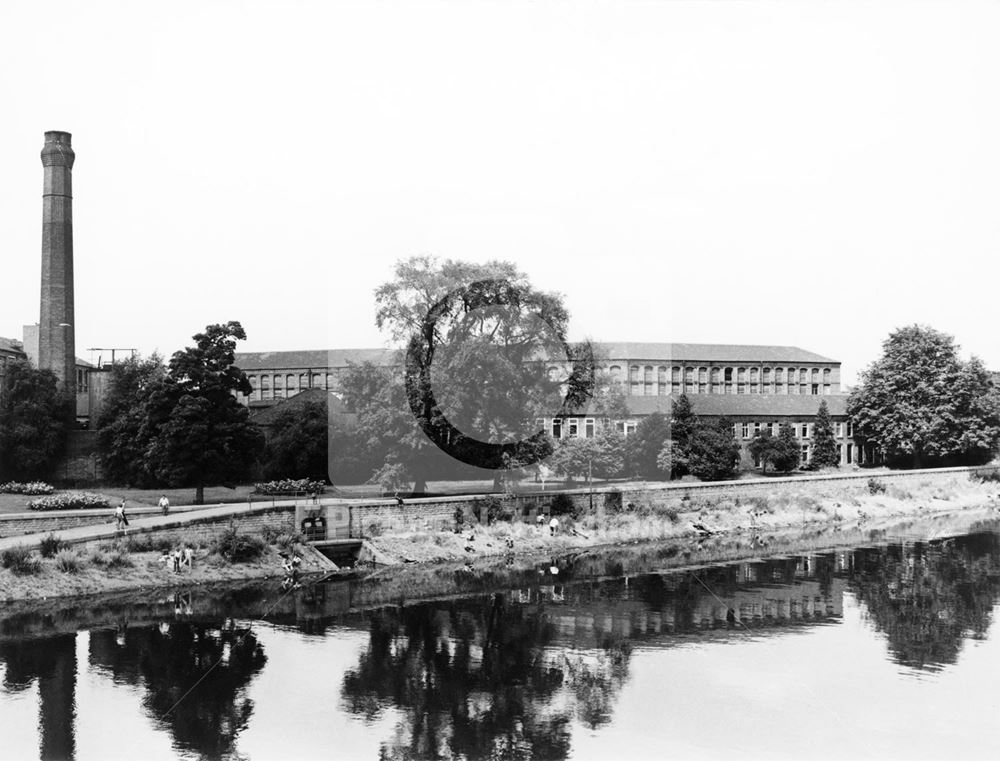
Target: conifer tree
x,y
825,453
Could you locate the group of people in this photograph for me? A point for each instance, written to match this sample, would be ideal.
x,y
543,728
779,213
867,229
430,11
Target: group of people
x,y
121,520
179,556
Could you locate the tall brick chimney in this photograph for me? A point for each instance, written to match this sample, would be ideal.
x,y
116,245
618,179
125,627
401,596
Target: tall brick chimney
x,y
56,338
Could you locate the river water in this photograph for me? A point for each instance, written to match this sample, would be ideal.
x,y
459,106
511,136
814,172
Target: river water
x,y
887,650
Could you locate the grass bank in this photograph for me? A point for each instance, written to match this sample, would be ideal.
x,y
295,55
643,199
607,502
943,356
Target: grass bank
x,y
696,518
131,564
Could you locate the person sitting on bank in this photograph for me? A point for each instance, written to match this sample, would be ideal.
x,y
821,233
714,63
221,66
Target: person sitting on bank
x,y
164,504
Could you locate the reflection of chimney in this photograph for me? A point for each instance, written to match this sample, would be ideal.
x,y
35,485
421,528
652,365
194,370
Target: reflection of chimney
x,y
56,340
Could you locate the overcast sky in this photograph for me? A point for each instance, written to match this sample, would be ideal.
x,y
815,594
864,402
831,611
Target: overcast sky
x,y
811,174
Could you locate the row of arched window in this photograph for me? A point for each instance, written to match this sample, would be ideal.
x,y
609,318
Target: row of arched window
x,y
283,385
650,380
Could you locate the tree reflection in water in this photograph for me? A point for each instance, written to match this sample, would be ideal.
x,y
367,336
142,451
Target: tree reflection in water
x,y
169,660
477,679
927,598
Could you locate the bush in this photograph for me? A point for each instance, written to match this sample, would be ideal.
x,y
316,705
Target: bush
x,y
67,561
148,543
495,509
70,501
19,560
31,489
238,548
290,486
50,545
613,501
119,558
875,486
670,512
562,504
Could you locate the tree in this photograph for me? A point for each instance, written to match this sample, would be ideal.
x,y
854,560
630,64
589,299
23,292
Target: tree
x,y
601,456
920,404
123,433
824,451
713,452
203,435
485,336
781,451
683,424
297,443
33,418
646,443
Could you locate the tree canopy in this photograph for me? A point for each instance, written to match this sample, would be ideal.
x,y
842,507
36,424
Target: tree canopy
x,y
920,404
33,419
781,451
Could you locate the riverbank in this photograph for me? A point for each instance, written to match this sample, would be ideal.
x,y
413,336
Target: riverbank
x,y
112,567
695,520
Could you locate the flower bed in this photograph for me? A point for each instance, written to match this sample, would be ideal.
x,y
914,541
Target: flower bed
x,y
31,489
290,486
75,500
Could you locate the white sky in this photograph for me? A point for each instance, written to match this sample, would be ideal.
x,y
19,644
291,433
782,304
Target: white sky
x,y
812,174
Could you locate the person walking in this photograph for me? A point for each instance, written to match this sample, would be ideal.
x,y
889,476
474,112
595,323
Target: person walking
x,y
121,520
164,504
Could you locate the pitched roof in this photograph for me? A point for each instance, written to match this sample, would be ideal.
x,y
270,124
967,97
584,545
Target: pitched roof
x,y
267,415
11,345
759,405
709,352
659,352
311,359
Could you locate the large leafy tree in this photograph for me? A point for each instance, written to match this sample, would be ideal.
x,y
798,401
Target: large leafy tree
x,y
646,443
206,436
825,453
33,418
123,432
600,456
920,404
479,371
713,454
297,443
781,451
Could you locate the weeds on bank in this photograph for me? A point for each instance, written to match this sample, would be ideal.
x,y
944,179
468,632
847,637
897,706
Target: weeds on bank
x,y
50,545
20,560
68,561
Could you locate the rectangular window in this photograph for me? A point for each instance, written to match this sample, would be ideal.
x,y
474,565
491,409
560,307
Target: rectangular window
x,y
772,429
850,453
588,429
746,430
815,389
629,428
756,429
850,429
805,453
573,428
557,428
805,430
840,430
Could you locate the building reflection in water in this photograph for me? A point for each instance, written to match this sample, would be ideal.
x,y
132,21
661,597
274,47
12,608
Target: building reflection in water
x,y
505,673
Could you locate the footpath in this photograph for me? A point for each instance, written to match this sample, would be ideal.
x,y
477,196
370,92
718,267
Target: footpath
x,y
144,521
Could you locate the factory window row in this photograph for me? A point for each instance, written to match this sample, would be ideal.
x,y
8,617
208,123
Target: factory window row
x,y
663,380
284,385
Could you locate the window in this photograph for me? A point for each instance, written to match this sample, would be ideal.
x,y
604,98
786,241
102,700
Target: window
x,y
736,431
815,389
839,430
317,380
329,381
772,428
648,380
850,453
702,380
850,429
557,428
630,428
689,387
303,381
616,374
254,393
716,385
675,380
573,427
805,430
805,453
754,381
588,428
265,387
279,386
766,381
661,381
779,375
741,380
636,387
728,375
746,430
756,429
290,384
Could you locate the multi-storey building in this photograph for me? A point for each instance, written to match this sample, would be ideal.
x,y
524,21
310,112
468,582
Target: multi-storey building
x,y
756,387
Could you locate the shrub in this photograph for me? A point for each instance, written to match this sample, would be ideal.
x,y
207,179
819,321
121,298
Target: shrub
x,y
119,558
70,501
670,512
147,543
290,486
562,504
495,509
238,548
613,501
67,561
50,545
875,486
31,489
19,560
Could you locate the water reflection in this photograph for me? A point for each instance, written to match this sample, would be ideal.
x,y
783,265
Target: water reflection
x,y
506,673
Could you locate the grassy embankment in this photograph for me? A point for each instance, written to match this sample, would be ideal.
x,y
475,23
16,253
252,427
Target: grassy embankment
x,y
833,505
135,563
